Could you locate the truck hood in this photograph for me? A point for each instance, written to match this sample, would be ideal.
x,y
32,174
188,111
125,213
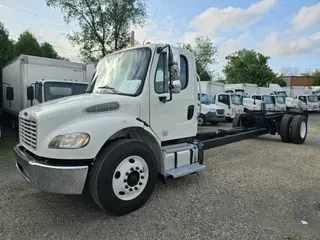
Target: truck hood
x,y
78,103
213,107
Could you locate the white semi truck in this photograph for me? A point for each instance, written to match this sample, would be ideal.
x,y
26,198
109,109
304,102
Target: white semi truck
x,y
137,122
30,80
231,102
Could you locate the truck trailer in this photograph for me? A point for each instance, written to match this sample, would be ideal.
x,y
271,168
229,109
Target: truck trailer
x,y
136,123
31,80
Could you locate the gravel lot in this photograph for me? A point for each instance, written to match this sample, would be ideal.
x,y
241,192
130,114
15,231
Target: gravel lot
x,y
254,189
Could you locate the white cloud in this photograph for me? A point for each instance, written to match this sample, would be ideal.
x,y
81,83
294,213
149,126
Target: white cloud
x,y
306,17
159,32
214,19
275,46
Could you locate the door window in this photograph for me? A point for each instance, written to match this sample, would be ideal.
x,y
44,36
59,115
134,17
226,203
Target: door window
x,y
303,99
161,82
38,92
224,98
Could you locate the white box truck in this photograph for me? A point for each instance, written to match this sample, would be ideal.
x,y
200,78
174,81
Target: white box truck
x,y
246,89
30,80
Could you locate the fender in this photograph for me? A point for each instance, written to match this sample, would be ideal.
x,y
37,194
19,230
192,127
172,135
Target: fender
x,y
100,130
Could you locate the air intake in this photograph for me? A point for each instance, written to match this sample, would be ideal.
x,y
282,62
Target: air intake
x,y
104,107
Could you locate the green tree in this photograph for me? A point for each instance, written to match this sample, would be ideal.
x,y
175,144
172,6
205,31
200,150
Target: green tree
x,y
316,82
205,54
48,51
6,49
27,44
104,24
248,66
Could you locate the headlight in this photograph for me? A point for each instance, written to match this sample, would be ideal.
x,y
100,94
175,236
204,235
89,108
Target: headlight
x,y
71,141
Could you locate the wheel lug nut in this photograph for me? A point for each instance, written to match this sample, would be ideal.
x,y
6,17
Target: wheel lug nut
x,y
142,177
127,173
140,183
141,171
124,180
130,189
131,169
126,186
137,168
136,188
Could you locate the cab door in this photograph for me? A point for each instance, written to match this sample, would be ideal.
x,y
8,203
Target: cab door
x,y
177,118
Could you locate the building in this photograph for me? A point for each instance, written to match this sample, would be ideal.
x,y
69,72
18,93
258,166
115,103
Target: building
x,y
299,80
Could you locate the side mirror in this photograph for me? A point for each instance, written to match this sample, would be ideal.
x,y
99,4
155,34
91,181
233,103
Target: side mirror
x,y
174,63
30,93
9,93
176,86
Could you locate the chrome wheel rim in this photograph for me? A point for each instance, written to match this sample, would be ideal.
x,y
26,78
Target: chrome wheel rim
x,y
303,129
130,178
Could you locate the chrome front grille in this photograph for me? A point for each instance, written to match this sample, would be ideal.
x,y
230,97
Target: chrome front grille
x,y
28,132
220,111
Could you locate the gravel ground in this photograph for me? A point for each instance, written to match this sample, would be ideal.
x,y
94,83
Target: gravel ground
x,y
254,189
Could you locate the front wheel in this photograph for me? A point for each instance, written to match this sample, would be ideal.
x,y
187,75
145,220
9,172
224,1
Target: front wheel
x,y
123,176
201,120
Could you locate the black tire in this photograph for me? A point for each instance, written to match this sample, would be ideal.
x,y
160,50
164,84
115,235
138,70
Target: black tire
x,y
214,123
201,120
237,121
103,170
299,129
228,119
285,128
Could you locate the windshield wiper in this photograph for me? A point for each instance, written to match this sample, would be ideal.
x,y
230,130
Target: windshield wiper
x,y
111,88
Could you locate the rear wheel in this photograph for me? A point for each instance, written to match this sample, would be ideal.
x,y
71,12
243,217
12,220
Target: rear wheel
x,y
123,176
201,120
299,129
285,127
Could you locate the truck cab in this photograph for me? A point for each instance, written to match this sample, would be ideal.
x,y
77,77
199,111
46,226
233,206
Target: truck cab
x,y
309,102
47,90
232,103
210,111
266,101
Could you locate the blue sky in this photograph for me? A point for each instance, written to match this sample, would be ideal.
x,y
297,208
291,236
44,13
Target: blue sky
x,y
286,30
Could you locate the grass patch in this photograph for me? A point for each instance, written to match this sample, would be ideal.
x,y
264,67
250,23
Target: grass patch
x,y
8,140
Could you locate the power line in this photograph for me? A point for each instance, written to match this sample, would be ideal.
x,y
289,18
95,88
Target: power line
x,y
31,13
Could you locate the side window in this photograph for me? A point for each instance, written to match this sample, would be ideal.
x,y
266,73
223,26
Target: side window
x,y
161,83
224,99
38,92
256,97
183,72
302,98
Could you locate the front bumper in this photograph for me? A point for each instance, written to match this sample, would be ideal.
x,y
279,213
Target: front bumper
x,y
50,178
213,117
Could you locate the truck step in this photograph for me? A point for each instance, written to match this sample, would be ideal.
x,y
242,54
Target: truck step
x,y
186,170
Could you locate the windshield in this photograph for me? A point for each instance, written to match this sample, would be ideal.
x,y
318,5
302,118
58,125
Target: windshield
x,y
267,99
283,94
54,90
313,98
205,99
240,92
236,99
280,99
122,73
